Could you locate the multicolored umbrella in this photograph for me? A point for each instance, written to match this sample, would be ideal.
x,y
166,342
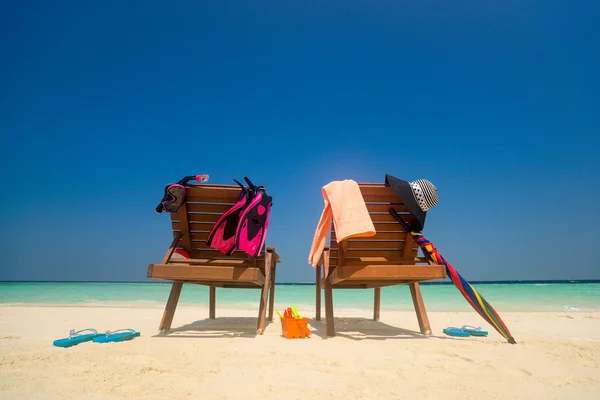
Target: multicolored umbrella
x,y
475,299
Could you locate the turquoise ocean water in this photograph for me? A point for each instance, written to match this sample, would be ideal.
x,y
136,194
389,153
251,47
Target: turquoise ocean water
x,y
543,296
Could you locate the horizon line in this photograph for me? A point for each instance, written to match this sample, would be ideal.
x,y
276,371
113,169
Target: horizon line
x,y
445,282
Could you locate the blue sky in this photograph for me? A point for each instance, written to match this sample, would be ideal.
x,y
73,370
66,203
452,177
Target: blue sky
x,y
104,103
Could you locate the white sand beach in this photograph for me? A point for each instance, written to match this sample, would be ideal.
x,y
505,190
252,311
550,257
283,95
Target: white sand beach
x,y
557,357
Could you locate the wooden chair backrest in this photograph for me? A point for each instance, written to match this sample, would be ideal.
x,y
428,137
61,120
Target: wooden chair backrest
x,y
204,205
391,243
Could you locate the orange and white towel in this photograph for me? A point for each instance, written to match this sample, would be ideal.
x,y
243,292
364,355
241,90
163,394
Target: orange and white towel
x,y
345,205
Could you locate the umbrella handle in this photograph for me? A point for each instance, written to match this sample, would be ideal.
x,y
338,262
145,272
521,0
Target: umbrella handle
x,y
398,218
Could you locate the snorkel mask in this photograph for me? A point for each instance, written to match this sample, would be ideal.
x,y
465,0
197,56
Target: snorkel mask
x,y
175,194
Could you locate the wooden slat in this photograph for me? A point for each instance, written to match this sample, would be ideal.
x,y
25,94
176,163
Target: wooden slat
x,y
387,273
385,208
196,236
199,236
240,285
386,218
208,208
356,262
212,193
219,262
402,260
199,225
380,235
374,189
372,244
381,198
195,226
206,261
388,254
379,194
370,284
259,263
386,227
211,199
211,218
200,245
236,285
211,254
206,273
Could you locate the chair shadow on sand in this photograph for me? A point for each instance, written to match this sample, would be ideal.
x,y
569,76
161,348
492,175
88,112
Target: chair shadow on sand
x,y
245,327
365,329
216,328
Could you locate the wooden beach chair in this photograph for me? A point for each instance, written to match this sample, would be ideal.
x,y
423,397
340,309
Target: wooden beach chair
x,y
386,259
191,225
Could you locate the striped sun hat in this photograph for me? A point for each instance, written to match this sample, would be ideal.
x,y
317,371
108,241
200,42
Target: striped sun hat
x,y
418,196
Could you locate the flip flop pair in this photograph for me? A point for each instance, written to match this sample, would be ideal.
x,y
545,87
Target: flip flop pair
x,y
464,331
86,335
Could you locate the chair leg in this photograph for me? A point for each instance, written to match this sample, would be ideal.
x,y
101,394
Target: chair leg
x,y
376,304
167,319
318,294
330,330
212,302
264,296
272,294
415,293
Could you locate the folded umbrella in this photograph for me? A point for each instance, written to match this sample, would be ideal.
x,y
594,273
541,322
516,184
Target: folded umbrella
x,y
472,296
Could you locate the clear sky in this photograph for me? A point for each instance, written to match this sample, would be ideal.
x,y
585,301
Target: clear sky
x,y
496,102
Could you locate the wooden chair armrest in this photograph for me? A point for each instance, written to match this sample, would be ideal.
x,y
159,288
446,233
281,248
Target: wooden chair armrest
x,y
322,259
274,254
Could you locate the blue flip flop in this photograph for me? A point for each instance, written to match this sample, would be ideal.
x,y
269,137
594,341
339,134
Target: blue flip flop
x,y
474,331
458,332
119,335
76,337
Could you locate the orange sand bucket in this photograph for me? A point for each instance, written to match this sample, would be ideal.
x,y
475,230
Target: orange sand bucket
x,y
294,328
293,325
